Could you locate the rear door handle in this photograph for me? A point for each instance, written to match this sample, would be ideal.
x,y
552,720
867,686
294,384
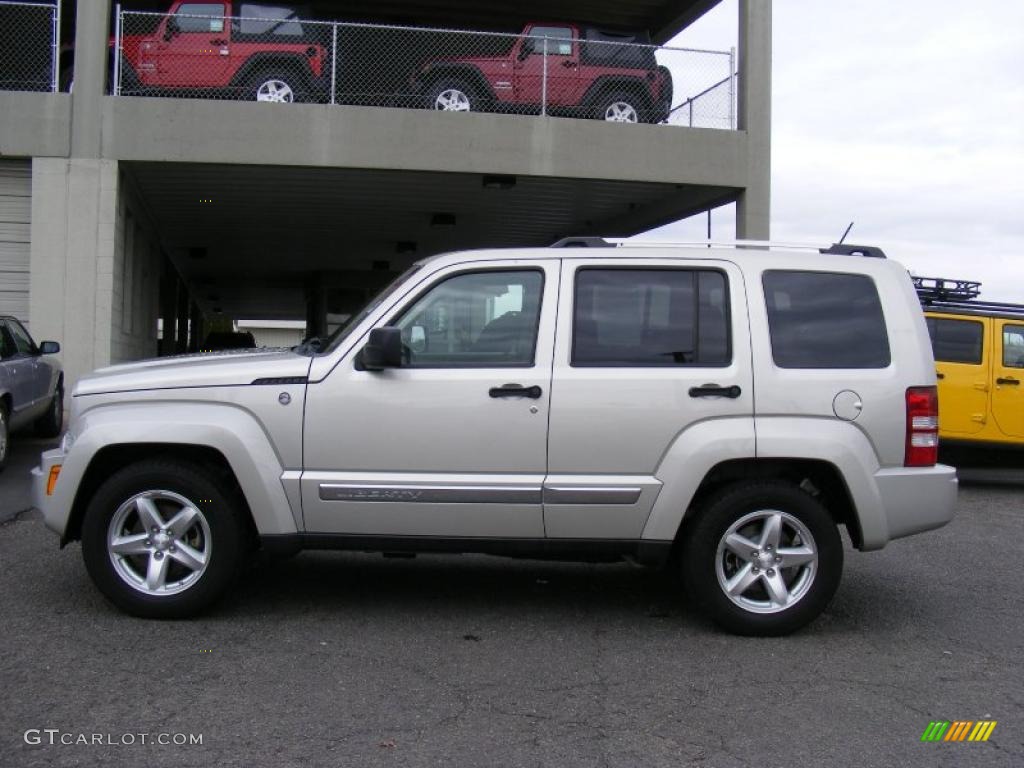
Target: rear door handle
x,y
516,390
1013,382
939,375
713,390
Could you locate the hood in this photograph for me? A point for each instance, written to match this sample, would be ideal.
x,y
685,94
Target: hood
x,y
207,369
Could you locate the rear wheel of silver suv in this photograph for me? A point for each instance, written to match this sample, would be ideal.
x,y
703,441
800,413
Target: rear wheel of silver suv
x,y
163,538
762,558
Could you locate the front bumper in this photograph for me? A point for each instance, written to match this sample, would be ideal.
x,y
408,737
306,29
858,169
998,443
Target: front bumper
x,y
55,513
917,499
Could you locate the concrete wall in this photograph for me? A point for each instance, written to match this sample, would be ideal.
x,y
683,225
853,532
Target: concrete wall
x,y
269,333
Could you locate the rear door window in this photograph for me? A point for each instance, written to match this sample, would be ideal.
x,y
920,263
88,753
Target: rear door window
x,y
825,320
651,318
956,341
1013,346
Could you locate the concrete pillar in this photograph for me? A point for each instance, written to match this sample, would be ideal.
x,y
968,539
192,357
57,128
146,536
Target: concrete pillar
x,y
92,58
316,305
753,209
168,306
181,342
197,334
73,233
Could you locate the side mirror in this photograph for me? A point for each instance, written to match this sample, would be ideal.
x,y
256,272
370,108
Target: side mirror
x,y
171,28
383,350
526,48
49,348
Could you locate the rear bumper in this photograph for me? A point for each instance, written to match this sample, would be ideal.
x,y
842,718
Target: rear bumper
x,y
917,499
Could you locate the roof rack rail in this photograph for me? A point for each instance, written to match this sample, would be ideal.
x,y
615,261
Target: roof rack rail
x,y
930,289
584,241
589,241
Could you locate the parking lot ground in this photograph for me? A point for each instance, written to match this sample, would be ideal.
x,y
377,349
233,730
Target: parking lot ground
x,y
354,660
15,488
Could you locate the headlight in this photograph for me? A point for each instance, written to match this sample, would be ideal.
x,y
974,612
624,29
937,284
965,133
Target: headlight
x,y
67,441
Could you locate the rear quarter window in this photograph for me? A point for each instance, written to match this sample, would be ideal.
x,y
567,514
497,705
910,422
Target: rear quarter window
x,y
825,320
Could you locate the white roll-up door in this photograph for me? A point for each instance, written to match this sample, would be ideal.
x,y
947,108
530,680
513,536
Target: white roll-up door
x,y
15,214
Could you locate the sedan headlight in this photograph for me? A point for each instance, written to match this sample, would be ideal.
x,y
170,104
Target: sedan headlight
x,y
67,441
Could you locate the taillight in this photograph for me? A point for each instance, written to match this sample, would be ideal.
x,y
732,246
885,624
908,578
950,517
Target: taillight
x,y
922,427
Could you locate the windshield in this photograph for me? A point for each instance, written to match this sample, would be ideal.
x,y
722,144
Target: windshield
x,y
342,331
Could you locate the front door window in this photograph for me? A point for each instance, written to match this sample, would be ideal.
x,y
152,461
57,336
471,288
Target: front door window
x,y
475,320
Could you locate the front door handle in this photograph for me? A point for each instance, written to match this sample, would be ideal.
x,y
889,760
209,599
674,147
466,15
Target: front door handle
x,y
516,390
713,390
939,375
219,41
1013,382
568,63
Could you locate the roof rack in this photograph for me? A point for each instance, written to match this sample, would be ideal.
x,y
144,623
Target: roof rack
x,y
590,241
931,289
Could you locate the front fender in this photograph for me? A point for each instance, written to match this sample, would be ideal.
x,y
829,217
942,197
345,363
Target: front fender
x,y
227,428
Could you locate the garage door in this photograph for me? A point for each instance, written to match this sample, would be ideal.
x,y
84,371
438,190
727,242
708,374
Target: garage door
x,y
15,211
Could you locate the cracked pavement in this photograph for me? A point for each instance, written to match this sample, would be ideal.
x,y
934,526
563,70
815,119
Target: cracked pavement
x,y
351,659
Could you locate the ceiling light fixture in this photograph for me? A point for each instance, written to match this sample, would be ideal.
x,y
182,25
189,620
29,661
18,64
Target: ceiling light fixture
x,y
499,182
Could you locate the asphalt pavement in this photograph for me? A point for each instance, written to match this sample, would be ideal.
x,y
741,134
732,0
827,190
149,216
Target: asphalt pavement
x,y
353,660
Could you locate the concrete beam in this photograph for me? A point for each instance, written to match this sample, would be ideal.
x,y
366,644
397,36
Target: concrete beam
x,y
753,209
35,124
186,130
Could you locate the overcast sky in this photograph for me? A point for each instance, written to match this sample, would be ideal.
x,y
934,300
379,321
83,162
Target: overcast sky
x,y
905,117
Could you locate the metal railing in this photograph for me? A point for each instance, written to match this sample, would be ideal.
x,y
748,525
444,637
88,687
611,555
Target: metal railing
x,y
550,71
29,35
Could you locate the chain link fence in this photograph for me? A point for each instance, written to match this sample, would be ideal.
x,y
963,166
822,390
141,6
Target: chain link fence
x,y
270,55
28,46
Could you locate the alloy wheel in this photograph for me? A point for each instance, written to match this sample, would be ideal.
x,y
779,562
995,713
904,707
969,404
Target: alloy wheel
x,y
621,112
275,91
452,100
159,543
766,561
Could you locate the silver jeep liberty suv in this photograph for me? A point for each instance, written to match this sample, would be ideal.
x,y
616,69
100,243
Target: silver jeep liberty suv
x,y
727,411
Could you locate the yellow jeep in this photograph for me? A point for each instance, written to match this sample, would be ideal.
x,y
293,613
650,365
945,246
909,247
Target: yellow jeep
x,y
979,361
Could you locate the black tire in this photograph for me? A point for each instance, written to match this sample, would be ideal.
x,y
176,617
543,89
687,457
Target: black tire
x,y
627,107
461,93
226,544
703,561
5,435
51,422
261,87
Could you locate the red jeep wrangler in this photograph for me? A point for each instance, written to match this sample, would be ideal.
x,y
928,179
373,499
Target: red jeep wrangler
x,y
234,50
590,73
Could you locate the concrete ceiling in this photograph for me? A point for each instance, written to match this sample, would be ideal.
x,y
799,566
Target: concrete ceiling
x,y
662,18
267,229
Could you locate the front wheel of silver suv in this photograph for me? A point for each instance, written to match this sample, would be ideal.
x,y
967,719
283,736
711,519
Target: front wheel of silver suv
x,y
163,538
762,558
